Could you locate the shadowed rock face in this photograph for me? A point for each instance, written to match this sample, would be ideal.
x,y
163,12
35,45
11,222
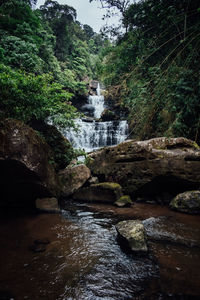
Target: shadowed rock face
x,y
73,178
26,172
105,192
152,167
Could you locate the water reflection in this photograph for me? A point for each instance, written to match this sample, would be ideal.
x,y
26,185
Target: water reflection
x,y
105,271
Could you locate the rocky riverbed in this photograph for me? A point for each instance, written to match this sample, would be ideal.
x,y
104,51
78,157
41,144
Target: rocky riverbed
x,y
83,258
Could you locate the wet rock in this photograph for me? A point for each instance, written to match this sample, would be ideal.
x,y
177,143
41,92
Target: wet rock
x,y
49,205
132,234
170,230
152,167
108,115
102,192
93,87
93,180
188,202
88,110
93,84
25,163
124,201
72,178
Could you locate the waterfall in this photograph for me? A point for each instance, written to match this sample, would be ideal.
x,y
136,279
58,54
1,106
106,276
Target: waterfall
x,y
94,134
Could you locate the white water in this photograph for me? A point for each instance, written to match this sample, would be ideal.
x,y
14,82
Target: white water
x,y
97,102
94,134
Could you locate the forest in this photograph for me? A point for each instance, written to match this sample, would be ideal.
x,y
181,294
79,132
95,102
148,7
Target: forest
x,y
151,68
99,151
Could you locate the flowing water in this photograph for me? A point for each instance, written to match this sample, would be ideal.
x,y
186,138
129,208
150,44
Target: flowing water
x,y
84,260
94,134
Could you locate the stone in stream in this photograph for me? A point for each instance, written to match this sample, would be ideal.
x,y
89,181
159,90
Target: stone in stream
x,y
150,168
133,235
49,205
172,231
124,201
72,178
188,202
105,192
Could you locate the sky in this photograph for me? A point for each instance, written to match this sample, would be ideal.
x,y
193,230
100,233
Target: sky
x,y
87,13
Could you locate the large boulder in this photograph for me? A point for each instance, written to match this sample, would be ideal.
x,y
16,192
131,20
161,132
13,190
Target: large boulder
x,y
153,167
132,234
26,169
188,202
105,192
72,178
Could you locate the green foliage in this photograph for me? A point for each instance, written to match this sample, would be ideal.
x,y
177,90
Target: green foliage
x,y
154,68
18,53
24,96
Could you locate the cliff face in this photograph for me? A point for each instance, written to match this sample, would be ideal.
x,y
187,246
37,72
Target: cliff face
x,y
26,165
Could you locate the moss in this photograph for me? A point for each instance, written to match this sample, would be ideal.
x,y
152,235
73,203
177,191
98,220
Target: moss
x,y
188,202
196,146
109,185
124,201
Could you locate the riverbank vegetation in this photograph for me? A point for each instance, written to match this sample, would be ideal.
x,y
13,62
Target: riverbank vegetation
x,y
153,70
46,60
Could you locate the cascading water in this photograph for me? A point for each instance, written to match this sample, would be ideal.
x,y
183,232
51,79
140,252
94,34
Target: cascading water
x,y
94,134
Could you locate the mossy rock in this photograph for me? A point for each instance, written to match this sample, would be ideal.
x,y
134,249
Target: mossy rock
x,y
188,202
124,201
105,192
132,234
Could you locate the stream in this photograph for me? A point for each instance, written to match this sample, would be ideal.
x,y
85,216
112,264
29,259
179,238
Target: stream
x,y
84,260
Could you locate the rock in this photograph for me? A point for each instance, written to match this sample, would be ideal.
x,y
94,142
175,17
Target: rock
x,y
61,148
188,202
171,230
124,201
93,87
93,180
108,115
49,205
106,192
26,169
93,84
88,110
132,234
72,178
151,167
